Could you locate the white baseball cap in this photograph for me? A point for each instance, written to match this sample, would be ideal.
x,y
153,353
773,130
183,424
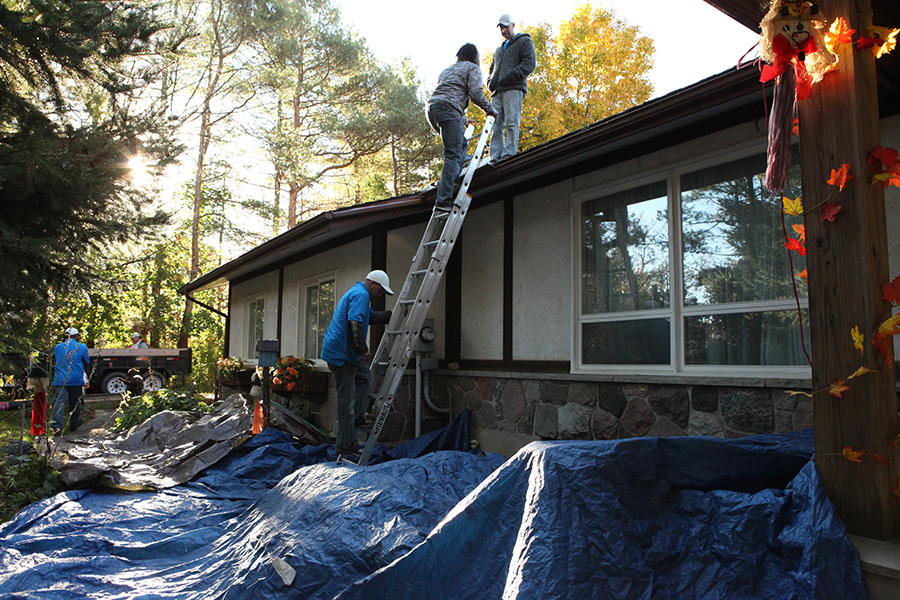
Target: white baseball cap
x,y
505,20
135,335
381,278
72,331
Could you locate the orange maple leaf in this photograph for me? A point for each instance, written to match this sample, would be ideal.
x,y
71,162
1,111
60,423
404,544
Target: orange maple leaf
x,y
852,455
888,178
895,442
861,371
792,207
803,274
884,346
841,177
838,33
800,230
882,159
796,128
796,246
830,210
858,338
881,40
890,326
880,458
838,388
891,293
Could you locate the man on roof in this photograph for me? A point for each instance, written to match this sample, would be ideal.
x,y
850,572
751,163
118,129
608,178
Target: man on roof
x,y
514,60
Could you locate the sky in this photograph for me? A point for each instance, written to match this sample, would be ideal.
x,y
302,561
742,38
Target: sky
x,y
693,40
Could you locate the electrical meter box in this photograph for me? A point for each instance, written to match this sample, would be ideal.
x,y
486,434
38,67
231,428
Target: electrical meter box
x,y
425,342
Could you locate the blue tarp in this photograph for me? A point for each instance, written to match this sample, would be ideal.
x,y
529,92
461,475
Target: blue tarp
x,y
641,518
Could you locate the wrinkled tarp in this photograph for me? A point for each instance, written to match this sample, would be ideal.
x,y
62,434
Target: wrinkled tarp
x,y
166,450
647,518
271,511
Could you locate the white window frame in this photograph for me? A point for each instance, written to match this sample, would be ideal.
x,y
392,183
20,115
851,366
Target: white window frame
x,y
677,310
302,288
251,301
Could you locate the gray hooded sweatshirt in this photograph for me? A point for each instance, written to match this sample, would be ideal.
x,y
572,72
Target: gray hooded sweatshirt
x,y
514,61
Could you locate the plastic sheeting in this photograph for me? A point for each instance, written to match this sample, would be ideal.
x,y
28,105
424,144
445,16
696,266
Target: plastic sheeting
x,y
270,513
644,518
647,518
167,449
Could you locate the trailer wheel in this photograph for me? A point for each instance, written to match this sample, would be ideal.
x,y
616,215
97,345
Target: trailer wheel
x,y
114,383
154,381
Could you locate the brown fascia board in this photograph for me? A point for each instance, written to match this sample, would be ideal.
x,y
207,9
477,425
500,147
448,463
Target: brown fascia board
x,y
749,13
320,229
746,12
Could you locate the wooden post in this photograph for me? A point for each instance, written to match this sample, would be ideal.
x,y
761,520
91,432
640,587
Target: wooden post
x,y
847,262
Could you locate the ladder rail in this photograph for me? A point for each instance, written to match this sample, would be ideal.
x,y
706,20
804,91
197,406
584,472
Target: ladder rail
x,y
412,305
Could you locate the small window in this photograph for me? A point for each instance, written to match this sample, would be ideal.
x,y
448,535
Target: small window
x,y
256,321
319,300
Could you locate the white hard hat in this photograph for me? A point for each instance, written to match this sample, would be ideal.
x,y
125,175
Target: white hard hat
x,y
72,331
381,278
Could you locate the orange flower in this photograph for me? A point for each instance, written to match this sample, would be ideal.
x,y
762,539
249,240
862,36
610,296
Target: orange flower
x,y
291,386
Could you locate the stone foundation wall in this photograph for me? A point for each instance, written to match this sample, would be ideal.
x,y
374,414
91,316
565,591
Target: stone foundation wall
x,y
558,409
562,410
401,422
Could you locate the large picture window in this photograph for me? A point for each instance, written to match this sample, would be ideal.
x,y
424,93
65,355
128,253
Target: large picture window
x,y
625,269
734,302
319,308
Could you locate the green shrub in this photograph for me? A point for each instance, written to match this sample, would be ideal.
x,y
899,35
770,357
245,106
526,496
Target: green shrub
x,y
23,480
137,409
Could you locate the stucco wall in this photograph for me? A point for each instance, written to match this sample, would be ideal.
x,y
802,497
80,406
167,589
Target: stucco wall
x,y
482,294
348,264
401,247
542,274
264,285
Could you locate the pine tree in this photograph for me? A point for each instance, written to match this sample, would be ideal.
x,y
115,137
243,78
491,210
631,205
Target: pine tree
x,y
68,128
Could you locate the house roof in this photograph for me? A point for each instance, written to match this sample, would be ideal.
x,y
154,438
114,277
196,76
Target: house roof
x,y
729,98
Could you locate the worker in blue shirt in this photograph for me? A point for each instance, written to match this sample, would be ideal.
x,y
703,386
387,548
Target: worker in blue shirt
x,y
71,359
344,349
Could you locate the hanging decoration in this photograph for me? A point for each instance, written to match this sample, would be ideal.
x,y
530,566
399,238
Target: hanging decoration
x,y
793,36
793,48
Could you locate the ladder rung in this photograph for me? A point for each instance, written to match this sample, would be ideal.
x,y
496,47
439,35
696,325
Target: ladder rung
x,y
406,302
419,273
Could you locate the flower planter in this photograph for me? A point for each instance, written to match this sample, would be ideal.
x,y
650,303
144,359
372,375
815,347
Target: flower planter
x,y
310,386
239,380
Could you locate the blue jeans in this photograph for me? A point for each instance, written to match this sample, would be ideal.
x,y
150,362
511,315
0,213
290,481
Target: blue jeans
x,y
352,385
505,134
66,399
452,128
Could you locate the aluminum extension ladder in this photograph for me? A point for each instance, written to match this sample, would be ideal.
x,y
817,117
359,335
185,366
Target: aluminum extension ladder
x,y
418,290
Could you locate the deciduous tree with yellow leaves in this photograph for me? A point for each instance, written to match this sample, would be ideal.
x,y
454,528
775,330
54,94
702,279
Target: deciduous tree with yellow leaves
x,y
595,67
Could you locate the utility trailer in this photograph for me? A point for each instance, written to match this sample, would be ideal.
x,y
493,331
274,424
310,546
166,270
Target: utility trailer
x,y
112,369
